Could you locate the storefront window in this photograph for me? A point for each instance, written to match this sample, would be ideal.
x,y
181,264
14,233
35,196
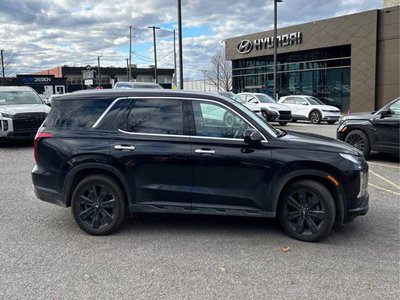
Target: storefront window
x,y
322,73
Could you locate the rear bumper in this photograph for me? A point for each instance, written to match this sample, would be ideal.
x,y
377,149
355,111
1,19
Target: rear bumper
x,y
47,195
43,186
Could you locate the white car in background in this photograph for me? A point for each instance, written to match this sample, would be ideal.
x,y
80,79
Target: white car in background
x,y
270,110
310,108
254,108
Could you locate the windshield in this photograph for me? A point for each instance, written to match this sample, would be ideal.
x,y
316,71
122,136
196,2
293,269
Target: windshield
x,y
315,101
265,98
123,85
147,86
19,97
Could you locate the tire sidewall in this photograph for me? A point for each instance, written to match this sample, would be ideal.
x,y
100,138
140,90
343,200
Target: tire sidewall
x,y
116,191
367,148
319,116
327,202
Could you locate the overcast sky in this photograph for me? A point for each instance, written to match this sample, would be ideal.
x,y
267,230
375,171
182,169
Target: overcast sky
x,y
41,34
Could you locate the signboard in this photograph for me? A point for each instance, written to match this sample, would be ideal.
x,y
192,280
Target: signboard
x,y
88,74
33,80
284,40
89,82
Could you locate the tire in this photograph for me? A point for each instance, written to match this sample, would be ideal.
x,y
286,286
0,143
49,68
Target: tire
x,y
294,120
282,123
360,140
331,122
315,117
229,119
306,211
98,205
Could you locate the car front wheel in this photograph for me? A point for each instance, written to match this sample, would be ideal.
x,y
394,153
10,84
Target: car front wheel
x,y
306,211
315,117
98,205
282,123
360,140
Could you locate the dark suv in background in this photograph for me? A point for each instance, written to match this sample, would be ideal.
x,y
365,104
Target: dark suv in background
x,y
109,152
377,131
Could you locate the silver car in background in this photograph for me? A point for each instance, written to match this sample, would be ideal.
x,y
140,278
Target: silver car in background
x,y
22,112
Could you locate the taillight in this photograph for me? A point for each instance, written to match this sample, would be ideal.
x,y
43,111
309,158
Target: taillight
x,y
38,137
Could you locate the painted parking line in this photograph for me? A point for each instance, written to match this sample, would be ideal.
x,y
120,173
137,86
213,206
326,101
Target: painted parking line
x,y
384,179
383,189
383,165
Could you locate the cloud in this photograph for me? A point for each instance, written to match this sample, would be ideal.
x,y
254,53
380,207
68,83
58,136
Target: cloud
x,y
44,34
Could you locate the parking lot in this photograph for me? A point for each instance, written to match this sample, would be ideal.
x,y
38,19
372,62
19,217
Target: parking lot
x,y
45,255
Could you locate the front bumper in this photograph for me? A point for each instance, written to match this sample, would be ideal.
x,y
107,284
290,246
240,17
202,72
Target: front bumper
x,y
279,116
361,208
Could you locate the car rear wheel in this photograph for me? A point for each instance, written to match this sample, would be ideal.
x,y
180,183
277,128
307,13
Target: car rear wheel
x,y
306,211
282,123
331,122
98,205
360,140
315,117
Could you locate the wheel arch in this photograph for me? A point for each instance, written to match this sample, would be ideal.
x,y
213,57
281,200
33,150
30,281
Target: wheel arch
x,y
78,173
321,177
314,109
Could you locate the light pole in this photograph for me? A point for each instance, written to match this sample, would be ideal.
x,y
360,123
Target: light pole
x,y
175,79
98,69
204,78
2,66
180,44
155,51
127,69
130,54
275,42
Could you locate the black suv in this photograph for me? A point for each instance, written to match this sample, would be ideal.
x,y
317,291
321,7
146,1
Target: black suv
x,y
378,131
112,152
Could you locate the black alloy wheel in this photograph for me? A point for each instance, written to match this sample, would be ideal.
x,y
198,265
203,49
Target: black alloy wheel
x,y
307,211
98,205
360,140
315,117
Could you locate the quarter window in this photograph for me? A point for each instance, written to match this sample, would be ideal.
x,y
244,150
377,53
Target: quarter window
x,y
156,116
214,120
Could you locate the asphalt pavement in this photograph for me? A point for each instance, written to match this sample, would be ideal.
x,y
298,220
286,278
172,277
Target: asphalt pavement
x,y
44,255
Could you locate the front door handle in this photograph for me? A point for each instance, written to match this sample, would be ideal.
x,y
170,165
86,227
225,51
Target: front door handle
x,y
124,148
205,151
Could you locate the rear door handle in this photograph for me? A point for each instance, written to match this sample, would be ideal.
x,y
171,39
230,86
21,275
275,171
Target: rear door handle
x,y
205,151
124,148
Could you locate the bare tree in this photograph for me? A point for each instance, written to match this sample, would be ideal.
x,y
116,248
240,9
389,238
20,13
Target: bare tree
x,y
8,61
220,71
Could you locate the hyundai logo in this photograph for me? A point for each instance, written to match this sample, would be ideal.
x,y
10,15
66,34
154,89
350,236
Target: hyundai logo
x,y
244,47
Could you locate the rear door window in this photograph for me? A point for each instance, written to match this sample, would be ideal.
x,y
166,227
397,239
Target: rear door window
x,y
155,116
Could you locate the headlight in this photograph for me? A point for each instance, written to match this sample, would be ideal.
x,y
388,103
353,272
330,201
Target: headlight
x,y
353,158
363,183
5,115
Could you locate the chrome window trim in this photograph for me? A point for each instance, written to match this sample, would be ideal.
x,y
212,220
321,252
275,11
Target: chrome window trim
x,y
177,98
107,110
182,136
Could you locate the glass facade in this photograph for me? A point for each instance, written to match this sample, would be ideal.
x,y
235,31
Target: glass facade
x,y
323,73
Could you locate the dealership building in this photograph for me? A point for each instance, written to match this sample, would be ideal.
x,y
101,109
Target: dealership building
x,y
351,62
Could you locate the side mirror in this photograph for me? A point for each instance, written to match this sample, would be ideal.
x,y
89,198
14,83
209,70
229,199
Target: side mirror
x,y
252,137
304,103
386,113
